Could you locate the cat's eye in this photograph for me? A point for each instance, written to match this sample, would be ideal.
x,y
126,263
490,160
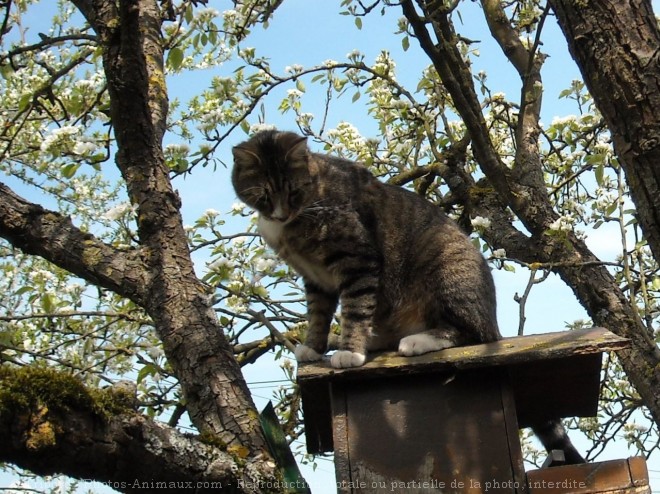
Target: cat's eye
x,y
263,203
295,197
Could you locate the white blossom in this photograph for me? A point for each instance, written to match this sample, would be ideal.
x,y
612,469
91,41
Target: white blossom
x,y
480,222
563,121
293,69
499,254
293,93
237,208
265,265
259,127
56,135
177,148
221,262
239,241
118,211
83,148
635,427
237,303
354,55
562,224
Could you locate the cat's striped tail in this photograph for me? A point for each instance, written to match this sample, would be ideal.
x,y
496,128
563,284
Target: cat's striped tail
x,y
553,436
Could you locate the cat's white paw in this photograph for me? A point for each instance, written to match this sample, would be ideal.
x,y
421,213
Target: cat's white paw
x,y
304,353
343,359
417,344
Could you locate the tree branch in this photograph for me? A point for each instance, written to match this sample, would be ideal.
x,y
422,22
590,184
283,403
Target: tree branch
x,y
48,234
527,199
50,424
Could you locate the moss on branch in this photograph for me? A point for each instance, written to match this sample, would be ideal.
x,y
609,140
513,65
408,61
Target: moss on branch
x,y
36,390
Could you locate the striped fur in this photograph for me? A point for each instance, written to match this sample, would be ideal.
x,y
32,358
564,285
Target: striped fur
x,y
404,275
395,263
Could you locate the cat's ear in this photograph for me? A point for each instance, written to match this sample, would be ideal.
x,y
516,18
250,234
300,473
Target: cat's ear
x,y
294,146
244,155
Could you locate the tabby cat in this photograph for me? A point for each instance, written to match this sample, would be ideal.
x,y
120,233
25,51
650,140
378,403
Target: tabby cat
x,y
403,274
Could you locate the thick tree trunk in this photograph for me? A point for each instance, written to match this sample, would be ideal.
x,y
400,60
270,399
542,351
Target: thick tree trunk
x,y
616,44
218,399
522,187
158,276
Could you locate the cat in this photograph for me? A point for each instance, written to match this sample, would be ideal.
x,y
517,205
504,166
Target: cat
x,y
404,274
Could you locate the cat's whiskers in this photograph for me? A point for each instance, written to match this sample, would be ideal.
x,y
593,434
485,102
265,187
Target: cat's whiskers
x,y
254,188
313,209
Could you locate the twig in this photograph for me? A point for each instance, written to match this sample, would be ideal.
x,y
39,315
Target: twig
x,y
522,301
274,332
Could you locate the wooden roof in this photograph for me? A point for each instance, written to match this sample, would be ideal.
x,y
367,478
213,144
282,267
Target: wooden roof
x,y
553,375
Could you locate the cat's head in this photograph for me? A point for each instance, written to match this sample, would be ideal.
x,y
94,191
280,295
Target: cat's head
x,y
271,174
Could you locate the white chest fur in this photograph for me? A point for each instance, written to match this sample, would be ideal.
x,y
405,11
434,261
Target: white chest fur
x,y
273,234
270,231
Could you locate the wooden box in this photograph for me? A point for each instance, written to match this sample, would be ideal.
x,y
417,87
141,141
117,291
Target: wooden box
x,y
448,421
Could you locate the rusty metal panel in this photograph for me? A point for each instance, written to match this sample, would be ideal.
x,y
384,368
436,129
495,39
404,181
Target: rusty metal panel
x,y
608,477
431,433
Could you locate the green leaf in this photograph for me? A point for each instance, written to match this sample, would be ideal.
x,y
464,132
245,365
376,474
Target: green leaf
x,y
189,15
68,171
47,303
405,43
599,172
356,97
594,159
565,93
300,86
24,102
656,283
175,58
147,370
23,289
611,208
358,22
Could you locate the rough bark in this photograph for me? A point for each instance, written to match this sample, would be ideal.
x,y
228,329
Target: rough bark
x,y
521,189
616,44
48,234
67,430
217,397
159,274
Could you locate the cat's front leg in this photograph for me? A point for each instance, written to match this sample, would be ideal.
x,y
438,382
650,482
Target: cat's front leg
x,y
358,305
321,306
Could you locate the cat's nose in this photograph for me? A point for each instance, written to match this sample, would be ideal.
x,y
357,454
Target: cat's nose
x,y
281,213
280,217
